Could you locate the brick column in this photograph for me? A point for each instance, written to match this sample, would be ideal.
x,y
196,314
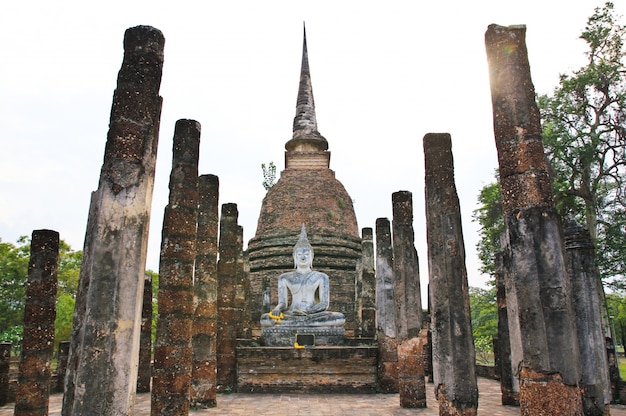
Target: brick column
x,y
242,287
580,260
204,374
144,374
408,304
33,382
366,294
5,360
543,343
508,382
104,354
62,353
453,346
385,310
171,377
227,269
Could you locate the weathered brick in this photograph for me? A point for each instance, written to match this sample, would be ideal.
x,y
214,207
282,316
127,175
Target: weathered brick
x,y
173,349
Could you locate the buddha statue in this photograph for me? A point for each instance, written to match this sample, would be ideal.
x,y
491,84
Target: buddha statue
x,y
309,290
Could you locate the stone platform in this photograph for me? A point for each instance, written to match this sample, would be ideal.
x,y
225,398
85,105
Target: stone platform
x,y
336,369
285,336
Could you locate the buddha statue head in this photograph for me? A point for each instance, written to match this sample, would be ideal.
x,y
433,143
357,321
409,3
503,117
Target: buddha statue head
x,y
303,251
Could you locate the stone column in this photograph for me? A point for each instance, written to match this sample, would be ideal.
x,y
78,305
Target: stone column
x,y
171,377
508,383
227,269
541,324
367,285
580,260
249,322
385,310
33,382
5,361
62,353
614,377
408,304
406,277
107,318
454,358
241,288
144,374
204,374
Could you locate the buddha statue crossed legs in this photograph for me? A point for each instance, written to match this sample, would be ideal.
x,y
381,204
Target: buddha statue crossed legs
x,y
310,295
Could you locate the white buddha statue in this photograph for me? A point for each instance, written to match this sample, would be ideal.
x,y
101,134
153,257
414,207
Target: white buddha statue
x,y
309,291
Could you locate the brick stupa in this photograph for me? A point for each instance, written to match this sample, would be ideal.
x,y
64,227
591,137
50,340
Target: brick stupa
x,y
308,193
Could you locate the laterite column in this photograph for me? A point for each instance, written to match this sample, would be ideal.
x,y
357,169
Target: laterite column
x,y
385,310
580,260
509,385
204,329
5,361
62,354
544,344
104,354
412,341
454,358
144,374
366,293
227,314
35,372
171,378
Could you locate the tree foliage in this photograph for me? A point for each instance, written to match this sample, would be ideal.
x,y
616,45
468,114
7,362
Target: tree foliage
x,y
489,217
13,273
584,134
484,314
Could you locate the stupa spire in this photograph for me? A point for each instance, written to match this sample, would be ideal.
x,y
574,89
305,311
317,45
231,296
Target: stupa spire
x,y
305,134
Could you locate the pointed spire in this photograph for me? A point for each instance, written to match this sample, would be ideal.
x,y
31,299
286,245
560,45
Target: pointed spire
x,y
305,122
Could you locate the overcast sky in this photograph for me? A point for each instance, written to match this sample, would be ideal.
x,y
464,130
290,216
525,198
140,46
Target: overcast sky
x,y
384,74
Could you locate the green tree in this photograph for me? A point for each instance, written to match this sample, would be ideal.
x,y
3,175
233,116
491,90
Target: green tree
x,y
154,278
269,175
484,314
584,135
13,273
68,274
489,217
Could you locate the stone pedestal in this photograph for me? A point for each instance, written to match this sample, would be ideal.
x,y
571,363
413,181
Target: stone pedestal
x,y
281,370
285,336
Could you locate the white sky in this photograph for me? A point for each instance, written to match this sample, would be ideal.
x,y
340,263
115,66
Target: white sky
x,y
383,76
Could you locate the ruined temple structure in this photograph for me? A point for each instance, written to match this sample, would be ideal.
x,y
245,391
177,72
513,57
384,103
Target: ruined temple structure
x,y
220,306
308,193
